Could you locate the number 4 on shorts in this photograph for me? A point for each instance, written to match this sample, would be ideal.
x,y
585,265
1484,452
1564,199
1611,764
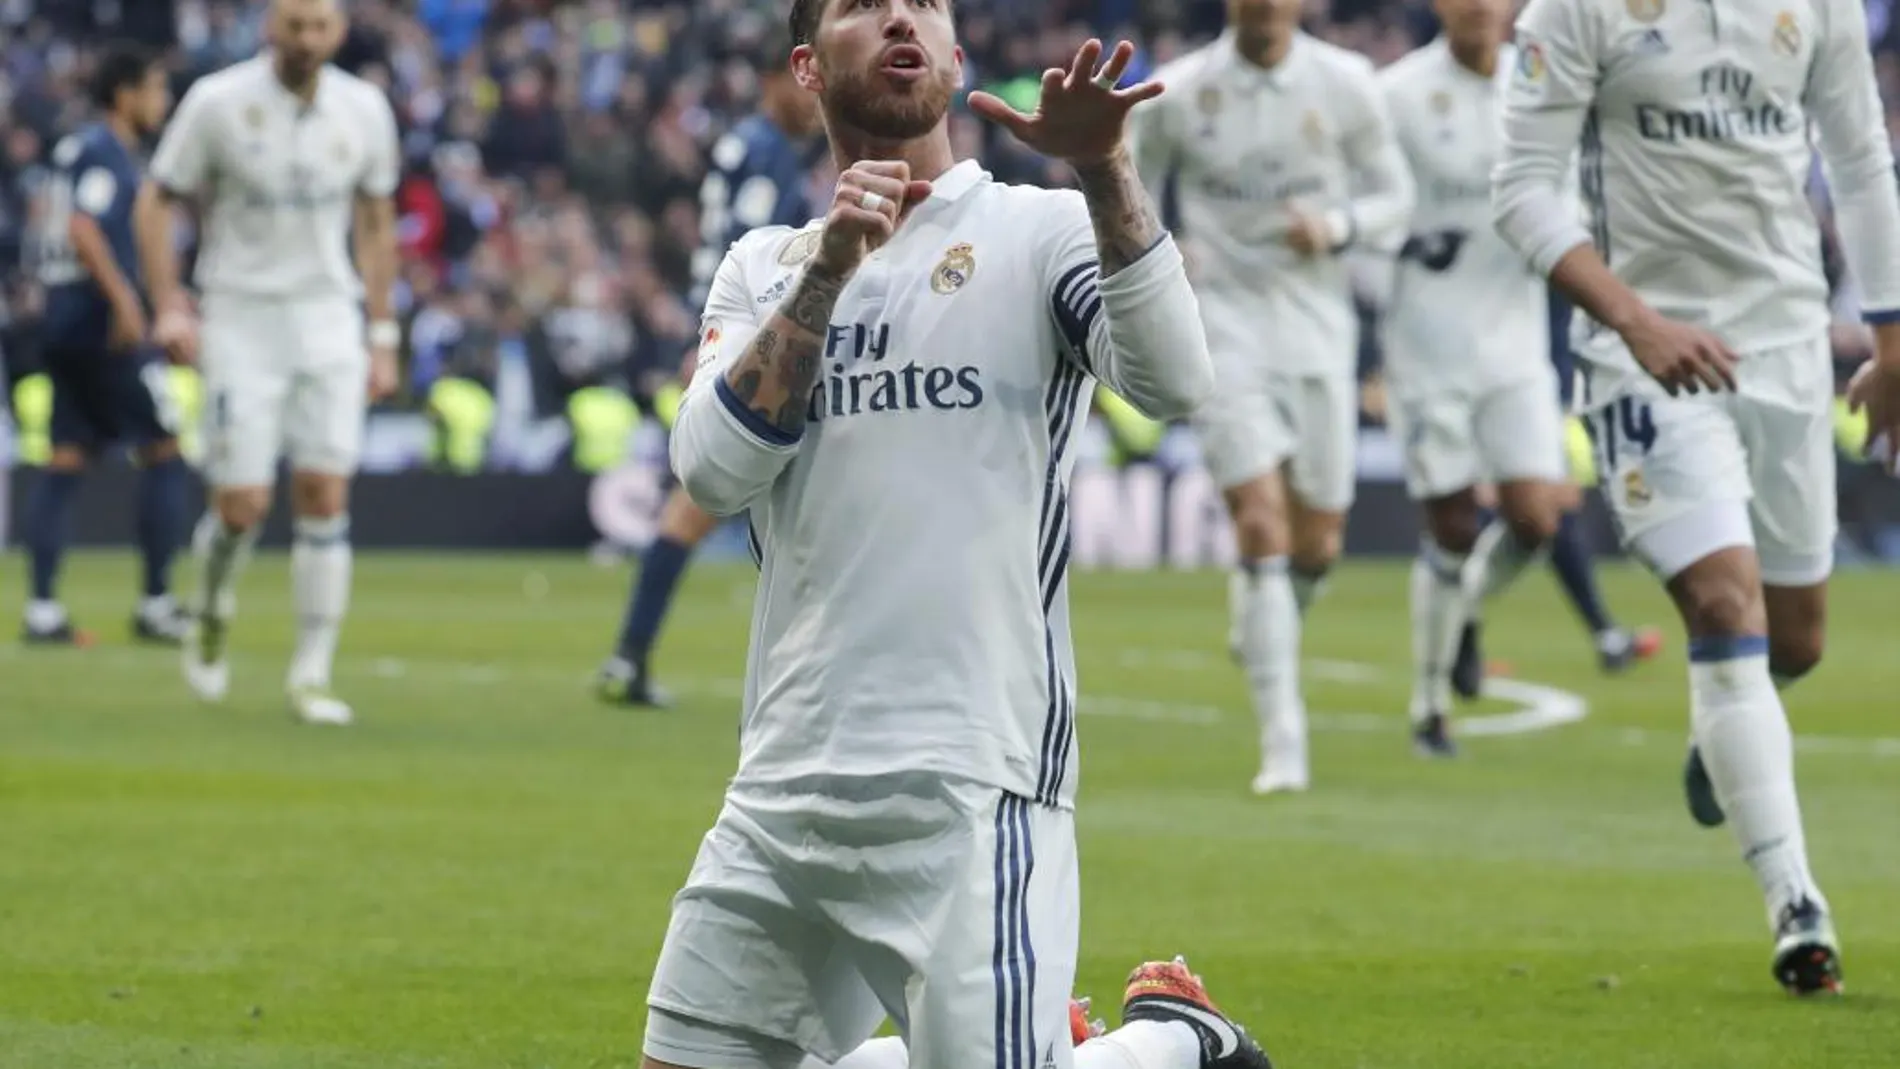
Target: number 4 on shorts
x,y
1625,417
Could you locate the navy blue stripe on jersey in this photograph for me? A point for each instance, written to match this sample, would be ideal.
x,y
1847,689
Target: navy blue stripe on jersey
x,y
752,543
758,425
1880,317
1078,303
1052,564
1590,178
1561,358
1010,935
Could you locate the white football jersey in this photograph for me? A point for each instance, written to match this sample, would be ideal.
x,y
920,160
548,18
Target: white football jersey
x,y
276,180
1695,120
1466,312
913,544
1242,147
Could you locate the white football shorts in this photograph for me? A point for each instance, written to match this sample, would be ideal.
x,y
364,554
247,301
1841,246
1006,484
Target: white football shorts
x,y
1688,476
282,378
1455,439
1258,420
949,908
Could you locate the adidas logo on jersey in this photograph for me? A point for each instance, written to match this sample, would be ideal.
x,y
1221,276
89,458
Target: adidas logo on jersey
x,y
1652,43
777,293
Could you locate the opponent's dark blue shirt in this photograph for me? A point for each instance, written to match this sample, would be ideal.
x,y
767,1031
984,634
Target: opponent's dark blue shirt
x,y
95,174
756,178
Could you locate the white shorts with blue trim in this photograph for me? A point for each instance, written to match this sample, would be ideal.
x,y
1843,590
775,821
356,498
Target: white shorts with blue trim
x,y
1688,476
950,909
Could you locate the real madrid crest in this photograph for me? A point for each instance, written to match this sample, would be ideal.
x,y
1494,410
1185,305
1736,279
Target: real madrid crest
x,y
1644,10
254,116
1787,36
1635,487
954,270
1441,102
800,248
342,151
1209,101
1314,128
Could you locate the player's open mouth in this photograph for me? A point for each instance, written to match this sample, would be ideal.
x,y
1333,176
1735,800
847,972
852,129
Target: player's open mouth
x,y
904,63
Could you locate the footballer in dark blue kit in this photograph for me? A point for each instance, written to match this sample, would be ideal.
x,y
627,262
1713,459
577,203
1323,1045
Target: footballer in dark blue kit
x,y
756,178
110,387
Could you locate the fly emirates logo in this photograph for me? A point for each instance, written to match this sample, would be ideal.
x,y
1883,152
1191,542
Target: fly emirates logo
x,y
1731,111
859,379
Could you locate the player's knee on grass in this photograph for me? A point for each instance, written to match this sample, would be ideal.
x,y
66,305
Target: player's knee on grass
x,y
1720,595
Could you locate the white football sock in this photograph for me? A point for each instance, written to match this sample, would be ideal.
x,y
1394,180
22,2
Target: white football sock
x,y
320,586
222,554
1270,652
885,1052
1743,734
1497,559
1142,1045
1438,616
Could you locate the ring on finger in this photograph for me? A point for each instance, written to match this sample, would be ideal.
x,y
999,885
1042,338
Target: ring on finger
x,y
1105,80
871,202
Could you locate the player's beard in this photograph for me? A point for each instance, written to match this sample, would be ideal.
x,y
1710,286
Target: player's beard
x,y
864,102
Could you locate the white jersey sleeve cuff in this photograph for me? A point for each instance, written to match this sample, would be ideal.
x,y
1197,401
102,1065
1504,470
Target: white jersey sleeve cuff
x,y
1541,225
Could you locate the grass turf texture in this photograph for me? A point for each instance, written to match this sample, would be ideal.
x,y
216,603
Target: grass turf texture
x,y
477,874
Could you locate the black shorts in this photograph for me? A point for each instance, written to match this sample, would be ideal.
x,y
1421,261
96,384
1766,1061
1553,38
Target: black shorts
x,y
101,398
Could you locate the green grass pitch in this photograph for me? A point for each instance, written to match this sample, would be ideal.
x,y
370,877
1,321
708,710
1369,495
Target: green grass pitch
x,y
476,876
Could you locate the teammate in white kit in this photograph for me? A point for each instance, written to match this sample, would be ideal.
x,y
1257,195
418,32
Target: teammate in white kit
x,y
1470,392
892,397
1695,125
290,163
1281,158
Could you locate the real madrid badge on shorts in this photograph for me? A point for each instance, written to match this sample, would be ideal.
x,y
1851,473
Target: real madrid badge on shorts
x,y
956,268
1636,491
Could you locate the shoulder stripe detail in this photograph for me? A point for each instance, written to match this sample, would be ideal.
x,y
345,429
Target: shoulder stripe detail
x,y
1078,303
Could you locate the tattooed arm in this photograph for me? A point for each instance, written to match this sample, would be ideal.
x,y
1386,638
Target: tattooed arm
x,y
1120,295
739,427
1126,224
772,379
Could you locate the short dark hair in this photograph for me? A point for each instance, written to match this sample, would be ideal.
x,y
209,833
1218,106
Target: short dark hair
x,y
771,53
123,65
804,20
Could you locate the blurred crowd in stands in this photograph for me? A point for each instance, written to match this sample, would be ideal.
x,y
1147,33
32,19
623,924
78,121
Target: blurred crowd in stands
x,y
554,153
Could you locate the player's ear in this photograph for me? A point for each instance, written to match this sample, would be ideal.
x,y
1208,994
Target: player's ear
x,y
956,57
805,69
